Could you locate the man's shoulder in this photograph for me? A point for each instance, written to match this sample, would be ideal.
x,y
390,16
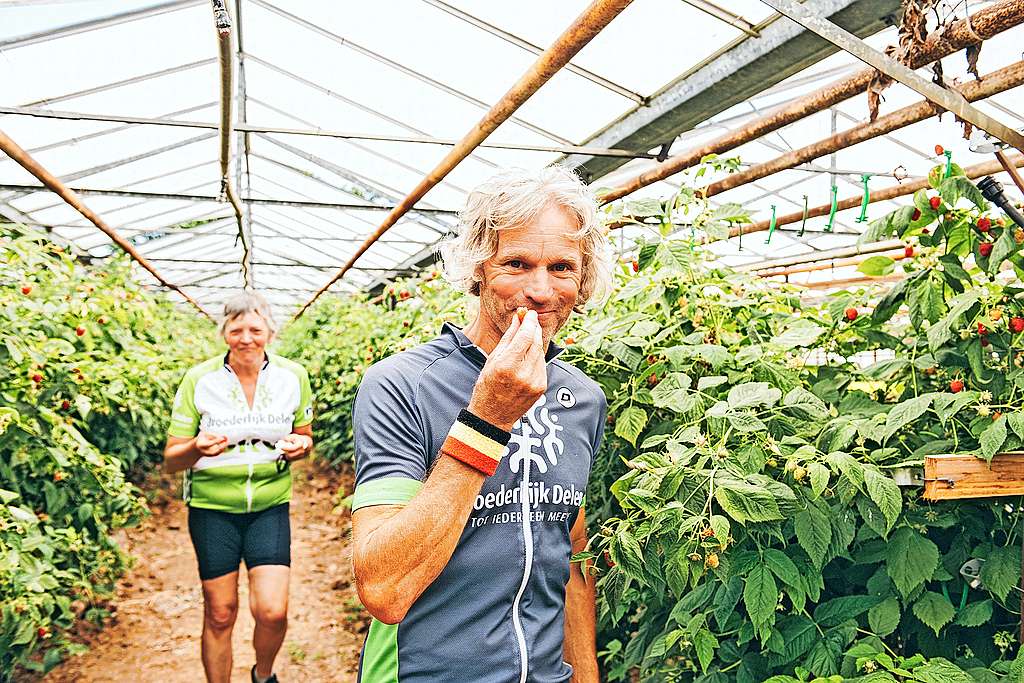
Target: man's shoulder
x,y
580,379
406,368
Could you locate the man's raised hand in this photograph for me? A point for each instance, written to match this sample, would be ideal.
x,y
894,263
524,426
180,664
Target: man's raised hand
x,y
515,374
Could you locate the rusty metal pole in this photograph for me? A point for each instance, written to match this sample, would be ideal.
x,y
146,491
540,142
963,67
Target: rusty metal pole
x,y
598,15
977,171
1004,161
840,253
990,84
225,53
982,25
25,160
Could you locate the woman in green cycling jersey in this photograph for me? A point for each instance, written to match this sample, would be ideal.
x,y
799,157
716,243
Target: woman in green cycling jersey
x,y
238,421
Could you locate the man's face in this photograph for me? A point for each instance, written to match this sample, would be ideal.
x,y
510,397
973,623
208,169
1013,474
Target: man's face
x,y
538,266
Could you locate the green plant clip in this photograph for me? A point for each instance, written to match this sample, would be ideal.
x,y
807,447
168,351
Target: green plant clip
x,y
771,227
863,217
835,207
739,246
949,163
803,221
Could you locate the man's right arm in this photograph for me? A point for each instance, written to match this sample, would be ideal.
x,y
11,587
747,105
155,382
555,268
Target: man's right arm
x,y
391,571
398,551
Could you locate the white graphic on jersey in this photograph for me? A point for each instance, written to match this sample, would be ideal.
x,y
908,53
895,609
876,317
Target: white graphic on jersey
x,y
535,436
565,397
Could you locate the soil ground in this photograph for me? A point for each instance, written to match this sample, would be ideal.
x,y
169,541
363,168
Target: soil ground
x,y
158,610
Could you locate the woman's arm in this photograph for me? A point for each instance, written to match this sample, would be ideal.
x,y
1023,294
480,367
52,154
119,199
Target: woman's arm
x,y
181,453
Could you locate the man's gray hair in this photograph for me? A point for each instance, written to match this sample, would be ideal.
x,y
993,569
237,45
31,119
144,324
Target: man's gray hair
x,y
513,198
247,302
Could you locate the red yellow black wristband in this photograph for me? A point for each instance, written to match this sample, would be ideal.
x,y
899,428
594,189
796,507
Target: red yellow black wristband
x,y
476,442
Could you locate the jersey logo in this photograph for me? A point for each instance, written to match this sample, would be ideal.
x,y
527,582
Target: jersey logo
x,y
535,437
565,397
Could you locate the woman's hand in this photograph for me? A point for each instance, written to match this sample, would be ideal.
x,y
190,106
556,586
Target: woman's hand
x,y
295,446
211,444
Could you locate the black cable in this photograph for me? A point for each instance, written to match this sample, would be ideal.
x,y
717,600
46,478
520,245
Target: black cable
x,y
993,191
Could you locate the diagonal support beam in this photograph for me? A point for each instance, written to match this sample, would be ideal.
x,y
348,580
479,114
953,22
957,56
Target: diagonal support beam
x,y
13,150
950,100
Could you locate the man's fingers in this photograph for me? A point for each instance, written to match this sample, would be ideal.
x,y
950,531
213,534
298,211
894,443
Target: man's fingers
x,y
510,333
520,345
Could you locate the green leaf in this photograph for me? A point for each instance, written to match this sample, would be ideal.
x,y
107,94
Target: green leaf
x,y
957,186
906,412
1016,422
806,403
814,533
1001,571
819,475
837,610
746,502
911,559
884,617
993,438
781,566
934,610
877,266
753,394
1003,247
939,670
890,303
885,493
941,332
925,300
720,525
801,333
626,552
705,383
705,643
975,614
760,595
630,423
7,496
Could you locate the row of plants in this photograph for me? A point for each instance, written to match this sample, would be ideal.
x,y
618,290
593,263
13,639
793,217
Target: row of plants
x,y
747,524
89,362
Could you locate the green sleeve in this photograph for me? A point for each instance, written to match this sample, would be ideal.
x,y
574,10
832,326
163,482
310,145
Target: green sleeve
x,y
184,415
304,413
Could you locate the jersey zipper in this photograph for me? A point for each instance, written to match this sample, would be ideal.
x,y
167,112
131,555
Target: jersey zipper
x,y
517,622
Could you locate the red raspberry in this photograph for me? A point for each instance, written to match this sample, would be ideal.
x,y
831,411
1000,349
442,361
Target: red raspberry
x,y
982,330
917,215
1017,324
851,314
985,248
26,289
935,202
80,331
908,252
984,224
956,386
636,266
939,151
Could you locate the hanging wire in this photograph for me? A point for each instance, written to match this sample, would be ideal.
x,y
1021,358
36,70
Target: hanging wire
x,y
803,221
771,227
835,207
863,217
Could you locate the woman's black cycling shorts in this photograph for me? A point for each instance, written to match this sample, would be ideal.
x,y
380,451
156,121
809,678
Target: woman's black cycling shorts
x,y
223,539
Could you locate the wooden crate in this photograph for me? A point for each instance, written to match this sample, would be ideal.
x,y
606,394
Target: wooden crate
x,y
950,477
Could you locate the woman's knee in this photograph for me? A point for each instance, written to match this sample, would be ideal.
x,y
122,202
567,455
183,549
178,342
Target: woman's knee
x,y
272,616
221,615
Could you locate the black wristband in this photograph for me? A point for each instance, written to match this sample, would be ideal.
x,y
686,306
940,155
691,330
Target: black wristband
x,y
484,427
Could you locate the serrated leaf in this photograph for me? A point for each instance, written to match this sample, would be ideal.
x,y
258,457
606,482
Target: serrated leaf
x,y
911,559
906,412
630,423
1001,571
884,617
801,333
813,533
819,475
934,610
1003,247
885,493
939,670
705,383
781,566
975,614
993,438
747,503
752,394
705,644
803,401
760,595
877,266
837,610
1016,422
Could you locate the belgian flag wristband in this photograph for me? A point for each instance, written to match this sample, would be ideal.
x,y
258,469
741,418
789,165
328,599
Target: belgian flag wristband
x,y
476,443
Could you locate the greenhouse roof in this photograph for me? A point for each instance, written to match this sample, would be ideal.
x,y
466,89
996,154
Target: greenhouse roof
x,y
342,108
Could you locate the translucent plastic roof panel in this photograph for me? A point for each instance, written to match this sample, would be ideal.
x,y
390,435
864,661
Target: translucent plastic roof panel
x,y
381,73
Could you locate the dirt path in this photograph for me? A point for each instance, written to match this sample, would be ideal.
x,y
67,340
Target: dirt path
x,y
154,635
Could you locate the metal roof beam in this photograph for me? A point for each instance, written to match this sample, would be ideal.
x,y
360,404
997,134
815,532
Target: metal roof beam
x,y
738,72
725,16
405,70
93,24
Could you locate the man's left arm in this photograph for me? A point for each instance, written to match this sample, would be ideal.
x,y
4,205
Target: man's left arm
x,y
581,612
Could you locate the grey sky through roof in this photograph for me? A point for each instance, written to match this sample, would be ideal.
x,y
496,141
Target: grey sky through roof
x,y
399,70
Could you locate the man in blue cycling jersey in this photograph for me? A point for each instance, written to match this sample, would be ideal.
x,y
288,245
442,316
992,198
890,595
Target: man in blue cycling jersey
x,y
473,453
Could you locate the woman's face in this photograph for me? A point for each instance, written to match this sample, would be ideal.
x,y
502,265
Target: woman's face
x,y
247,336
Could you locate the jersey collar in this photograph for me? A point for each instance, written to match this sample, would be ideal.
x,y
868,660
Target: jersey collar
x,y
476,354
227,366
